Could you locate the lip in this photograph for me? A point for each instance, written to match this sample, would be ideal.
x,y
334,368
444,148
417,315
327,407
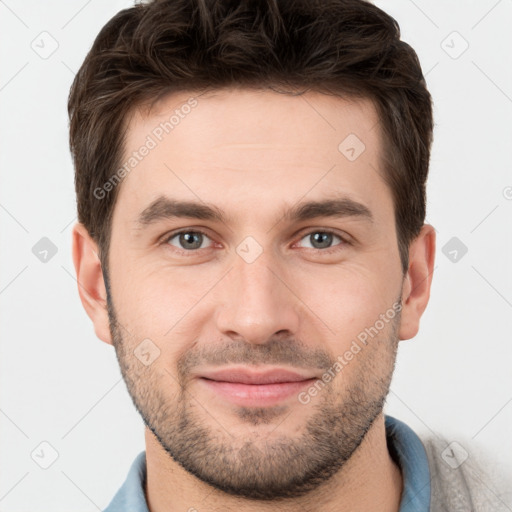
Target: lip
x,y
251,388
244,375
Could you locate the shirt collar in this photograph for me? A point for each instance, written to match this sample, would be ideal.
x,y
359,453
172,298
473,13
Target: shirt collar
x,y
131,496
404,446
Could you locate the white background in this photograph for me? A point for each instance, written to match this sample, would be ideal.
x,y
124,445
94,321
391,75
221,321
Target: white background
x,y
60,384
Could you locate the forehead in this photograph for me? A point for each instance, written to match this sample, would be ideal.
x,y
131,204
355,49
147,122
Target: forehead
x,y
255,119
233,147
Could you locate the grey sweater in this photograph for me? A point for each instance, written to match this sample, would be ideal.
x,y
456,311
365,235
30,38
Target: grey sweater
x,y
462,482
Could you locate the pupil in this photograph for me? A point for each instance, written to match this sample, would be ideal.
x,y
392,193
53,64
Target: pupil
x,y
323,239
188,238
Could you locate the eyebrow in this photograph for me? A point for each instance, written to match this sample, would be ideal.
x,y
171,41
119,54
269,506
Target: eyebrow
x,y
168,208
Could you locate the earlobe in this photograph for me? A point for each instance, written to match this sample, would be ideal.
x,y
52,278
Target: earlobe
x,y
90,281
417,281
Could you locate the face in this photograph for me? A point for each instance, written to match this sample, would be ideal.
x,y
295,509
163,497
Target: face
x,y
253,279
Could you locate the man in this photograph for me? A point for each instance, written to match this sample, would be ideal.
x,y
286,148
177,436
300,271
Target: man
x,y
251,180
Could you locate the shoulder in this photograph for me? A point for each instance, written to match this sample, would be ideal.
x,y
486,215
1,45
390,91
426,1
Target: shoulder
x,y
464,479
131,496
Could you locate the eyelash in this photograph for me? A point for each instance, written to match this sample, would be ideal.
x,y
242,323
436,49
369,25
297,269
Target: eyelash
x,y
192,252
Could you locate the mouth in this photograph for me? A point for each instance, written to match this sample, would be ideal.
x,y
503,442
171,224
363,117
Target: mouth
x,y
250,388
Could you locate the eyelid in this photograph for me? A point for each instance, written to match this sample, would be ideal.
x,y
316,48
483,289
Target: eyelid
x,y
168,236
345,239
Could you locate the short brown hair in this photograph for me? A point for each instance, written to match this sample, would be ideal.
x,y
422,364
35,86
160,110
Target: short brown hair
x,y
343,47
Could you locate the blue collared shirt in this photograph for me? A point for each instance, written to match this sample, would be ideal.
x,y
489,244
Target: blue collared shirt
x,y
404,446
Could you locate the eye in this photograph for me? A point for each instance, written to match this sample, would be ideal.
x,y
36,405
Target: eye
x,y
193,240
189,240
323,239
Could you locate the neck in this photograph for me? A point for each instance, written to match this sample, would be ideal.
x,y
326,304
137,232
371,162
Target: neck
x,y
370,480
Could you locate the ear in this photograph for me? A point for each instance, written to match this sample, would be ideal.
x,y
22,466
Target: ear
x,y
91,285
417,281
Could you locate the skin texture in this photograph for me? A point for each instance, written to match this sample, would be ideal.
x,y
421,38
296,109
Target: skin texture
x,y
298,305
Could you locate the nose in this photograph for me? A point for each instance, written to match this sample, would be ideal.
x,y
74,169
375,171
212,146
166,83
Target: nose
x,y
257,301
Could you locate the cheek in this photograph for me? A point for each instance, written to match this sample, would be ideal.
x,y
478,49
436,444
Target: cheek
x,y
150,293
161,304
346,298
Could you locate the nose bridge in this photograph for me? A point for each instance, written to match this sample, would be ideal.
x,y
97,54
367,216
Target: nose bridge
x,y
256,303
